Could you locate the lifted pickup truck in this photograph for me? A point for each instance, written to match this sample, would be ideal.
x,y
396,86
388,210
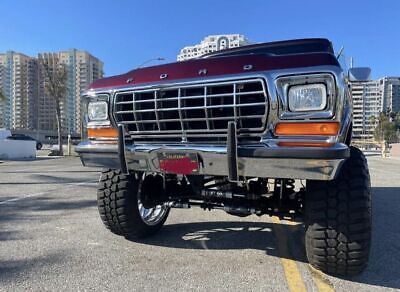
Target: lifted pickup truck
x,y
259,129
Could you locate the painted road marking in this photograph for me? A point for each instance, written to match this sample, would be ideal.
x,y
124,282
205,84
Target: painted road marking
x,y
23,197
382,170
26,196
292,273
320,280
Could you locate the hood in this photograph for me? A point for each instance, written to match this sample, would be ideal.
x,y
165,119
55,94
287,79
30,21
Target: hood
x,y
225,65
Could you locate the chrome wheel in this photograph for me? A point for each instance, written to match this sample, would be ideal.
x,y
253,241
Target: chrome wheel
x,y
152,216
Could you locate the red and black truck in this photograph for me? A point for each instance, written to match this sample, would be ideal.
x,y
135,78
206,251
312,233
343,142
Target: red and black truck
x,y
258,129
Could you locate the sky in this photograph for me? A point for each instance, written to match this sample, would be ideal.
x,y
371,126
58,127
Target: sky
x,y
124,34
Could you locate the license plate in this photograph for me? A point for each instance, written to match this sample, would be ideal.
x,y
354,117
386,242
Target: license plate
x,y
178,163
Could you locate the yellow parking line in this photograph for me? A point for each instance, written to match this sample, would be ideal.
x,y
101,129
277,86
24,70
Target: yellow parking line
x,y
292,273
323,284
293,277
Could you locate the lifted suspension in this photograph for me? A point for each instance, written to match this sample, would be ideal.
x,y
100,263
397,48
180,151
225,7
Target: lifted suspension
x,y
253,196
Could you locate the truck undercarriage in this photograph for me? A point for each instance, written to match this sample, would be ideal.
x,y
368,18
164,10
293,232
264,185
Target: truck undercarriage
x,y
253,196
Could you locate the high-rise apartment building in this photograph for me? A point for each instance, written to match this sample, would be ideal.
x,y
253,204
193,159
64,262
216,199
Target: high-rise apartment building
x,y
367,104
212,43
27,104
370,98
391,93
18,83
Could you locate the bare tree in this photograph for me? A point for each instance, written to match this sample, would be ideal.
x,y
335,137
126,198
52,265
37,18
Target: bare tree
x,y
56,88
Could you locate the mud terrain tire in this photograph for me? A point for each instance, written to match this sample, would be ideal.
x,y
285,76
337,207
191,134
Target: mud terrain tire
x,y
118,204
338,219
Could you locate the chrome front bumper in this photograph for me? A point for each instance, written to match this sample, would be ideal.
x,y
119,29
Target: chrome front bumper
x,y
257,160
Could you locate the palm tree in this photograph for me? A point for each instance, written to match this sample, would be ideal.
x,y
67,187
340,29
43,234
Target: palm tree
x,y
56,88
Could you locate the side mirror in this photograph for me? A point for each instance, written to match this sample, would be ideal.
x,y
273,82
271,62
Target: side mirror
x,y
359,73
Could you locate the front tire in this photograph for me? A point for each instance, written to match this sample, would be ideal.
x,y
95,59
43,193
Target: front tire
x,y
338,219
120,207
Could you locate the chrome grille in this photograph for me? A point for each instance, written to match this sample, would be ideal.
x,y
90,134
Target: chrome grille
x,y
195,110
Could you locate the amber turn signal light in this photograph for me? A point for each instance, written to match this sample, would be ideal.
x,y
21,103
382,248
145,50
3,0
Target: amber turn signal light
x,y
102,132
307,129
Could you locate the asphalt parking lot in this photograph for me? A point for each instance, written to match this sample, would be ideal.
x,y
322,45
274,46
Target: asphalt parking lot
x,y
51,238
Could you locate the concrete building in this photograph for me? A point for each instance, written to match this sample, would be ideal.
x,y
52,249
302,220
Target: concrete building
x,y
370,98
27,105
83,69
391,93
18,83
367,104
212,43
